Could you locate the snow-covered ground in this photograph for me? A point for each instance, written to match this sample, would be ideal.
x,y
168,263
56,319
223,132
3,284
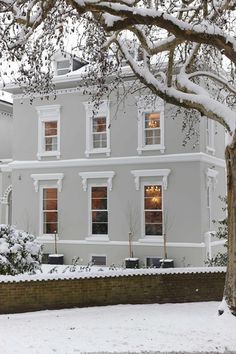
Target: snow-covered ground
x,y
190,327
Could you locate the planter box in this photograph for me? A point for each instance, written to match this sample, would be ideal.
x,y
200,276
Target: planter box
x,y
45,258
166,263
132,263
55,259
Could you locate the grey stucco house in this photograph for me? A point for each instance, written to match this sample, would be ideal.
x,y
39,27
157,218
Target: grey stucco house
x,y
94,176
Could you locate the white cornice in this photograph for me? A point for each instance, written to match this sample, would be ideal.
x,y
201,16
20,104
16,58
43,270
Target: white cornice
x,y
58,177
97,174
135,160
164,173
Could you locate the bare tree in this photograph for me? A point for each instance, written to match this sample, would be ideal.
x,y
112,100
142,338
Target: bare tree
x,y
181,50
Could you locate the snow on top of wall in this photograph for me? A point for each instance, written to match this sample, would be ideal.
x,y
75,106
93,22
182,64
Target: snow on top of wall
x,y
97,272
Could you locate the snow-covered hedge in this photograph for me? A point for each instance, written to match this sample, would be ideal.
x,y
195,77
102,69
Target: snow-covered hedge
x,y
19,251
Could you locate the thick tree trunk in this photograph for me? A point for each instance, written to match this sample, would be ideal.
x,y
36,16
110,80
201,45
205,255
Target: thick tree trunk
x,y
230,283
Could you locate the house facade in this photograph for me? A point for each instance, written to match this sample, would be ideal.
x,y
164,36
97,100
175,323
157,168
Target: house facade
x,y
97,176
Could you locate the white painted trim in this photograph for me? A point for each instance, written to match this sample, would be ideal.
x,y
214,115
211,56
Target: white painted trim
x,y
97,238
102,110
97,174
189,157
4,199
149,105
47,114
210,136
58,177
164,173
126,243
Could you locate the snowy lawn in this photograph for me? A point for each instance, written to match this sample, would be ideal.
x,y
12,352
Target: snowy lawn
x,y
192,327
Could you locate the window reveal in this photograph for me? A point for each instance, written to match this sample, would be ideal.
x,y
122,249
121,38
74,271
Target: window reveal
x,y
153,213
99,210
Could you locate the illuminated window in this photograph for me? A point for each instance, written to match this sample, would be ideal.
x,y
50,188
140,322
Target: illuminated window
x,y
99,132
150,124
153,213
99,211
50,210
152,129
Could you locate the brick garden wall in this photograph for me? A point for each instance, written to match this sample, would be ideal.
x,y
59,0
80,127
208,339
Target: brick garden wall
x,y
34,295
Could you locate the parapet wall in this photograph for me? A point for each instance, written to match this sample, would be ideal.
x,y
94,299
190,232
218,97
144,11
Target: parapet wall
x,y
161,287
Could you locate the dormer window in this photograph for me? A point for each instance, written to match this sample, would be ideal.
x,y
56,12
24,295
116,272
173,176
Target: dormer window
x,y
63,67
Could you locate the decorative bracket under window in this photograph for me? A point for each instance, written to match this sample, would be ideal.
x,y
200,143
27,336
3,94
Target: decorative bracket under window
x,y
211,177
100,174
163,173
47,177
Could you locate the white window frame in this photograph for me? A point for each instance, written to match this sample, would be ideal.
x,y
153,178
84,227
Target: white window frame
x,y
91,236
210,136
48,114
211,181
157,238
42,181
150,177
146,106
106,177
101,111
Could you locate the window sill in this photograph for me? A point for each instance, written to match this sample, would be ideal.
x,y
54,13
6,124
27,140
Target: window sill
x,y
98,238
47,237
151,239
98,151
56,154
160,148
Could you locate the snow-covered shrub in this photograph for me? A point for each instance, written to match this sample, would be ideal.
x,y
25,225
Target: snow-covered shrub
x,y
19,251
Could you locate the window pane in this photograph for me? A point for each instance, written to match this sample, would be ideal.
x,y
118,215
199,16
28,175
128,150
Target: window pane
x,y
50,204
100,140
153,197
50,216
99,124
153,217
51,144
99,204
50,193
50,128
99,216
152,120
99,192
153,229
99,228
49,228
152,137
62,64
